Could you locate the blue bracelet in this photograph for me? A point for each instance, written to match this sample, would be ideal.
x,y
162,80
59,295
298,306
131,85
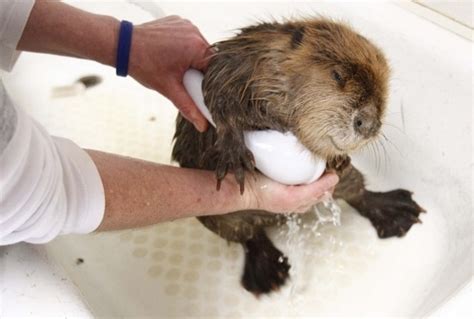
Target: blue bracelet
x,y
123,48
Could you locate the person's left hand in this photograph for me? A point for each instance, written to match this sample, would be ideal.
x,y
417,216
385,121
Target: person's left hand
x,y
265,194
162,51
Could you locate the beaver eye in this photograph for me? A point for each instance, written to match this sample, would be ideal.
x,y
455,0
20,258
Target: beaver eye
x,y
338,78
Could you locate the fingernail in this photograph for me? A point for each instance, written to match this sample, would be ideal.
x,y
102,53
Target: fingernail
x,y
204,126
197,127
194,122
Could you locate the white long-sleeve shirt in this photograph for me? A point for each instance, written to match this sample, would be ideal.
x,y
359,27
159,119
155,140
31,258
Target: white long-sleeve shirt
x,y
48,185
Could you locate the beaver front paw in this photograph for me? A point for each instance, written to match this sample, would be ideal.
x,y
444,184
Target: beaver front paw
x,y
266,268
231,154
391,213
339,163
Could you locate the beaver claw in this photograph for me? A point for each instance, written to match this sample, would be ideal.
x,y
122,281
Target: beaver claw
x,y
232,155
339,163
391,213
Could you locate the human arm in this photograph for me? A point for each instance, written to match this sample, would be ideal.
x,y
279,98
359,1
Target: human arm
x,y
139,193
69,196
161,50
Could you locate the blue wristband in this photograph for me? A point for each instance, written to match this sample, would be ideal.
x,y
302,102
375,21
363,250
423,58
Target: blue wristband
x,y
123,48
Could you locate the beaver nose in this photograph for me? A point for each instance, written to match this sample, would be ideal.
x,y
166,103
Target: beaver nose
x,y
366,126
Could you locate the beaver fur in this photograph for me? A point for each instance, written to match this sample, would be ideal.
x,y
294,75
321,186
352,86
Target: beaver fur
x,y
316,78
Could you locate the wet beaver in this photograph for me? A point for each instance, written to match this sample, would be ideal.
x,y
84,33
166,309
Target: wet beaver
x,y
316,78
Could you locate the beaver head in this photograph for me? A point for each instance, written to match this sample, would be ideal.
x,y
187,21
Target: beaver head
x,y
338,87
316,77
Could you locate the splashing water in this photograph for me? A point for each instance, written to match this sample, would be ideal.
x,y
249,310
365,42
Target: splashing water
x,y
327,212
300,229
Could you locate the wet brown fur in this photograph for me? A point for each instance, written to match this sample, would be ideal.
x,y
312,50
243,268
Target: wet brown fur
x,y
285,74
316,78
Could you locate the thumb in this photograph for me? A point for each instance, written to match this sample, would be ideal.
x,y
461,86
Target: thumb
x,y
188,109
317,188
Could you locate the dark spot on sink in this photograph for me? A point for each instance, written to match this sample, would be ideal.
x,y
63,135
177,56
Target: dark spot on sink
x,y
90,80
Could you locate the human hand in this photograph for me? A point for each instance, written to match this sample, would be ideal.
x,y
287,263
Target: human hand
x,y
161,52
265,194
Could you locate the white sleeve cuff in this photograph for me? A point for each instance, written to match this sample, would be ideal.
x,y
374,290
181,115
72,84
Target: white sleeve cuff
x,y
84,189
13,18
48,186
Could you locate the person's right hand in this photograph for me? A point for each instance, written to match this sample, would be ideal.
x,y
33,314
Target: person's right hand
x,y
265,194
162,51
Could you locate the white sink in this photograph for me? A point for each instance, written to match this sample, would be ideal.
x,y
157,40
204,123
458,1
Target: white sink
x,y
180,269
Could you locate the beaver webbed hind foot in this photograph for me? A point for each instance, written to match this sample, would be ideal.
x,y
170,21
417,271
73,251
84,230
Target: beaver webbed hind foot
x,y
231,155
266,268
391,213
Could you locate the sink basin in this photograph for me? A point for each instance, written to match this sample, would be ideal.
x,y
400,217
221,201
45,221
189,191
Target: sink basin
x,y
180,269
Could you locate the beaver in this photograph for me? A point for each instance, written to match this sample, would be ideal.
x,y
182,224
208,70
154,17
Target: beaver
x,y
316,78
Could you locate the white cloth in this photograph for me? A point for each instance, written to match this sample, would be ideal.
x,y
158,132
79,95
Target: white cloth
x,y
13,17
48,185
